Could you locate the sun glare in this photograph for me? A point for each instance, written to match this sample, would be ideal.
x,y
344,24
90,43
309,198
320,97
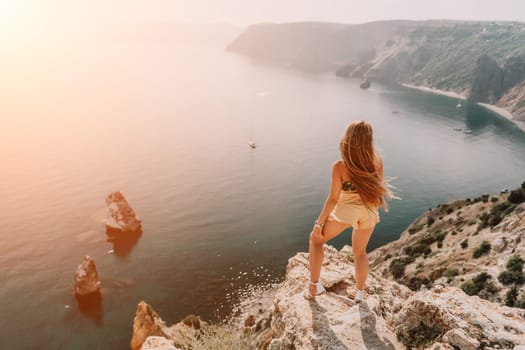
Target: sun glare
x,y
12,14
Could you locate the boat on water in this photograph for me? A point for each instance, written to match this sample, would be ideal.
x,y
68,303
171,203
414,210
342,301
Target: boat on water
x,y
365,84
458,129
252,144
468,131
458,105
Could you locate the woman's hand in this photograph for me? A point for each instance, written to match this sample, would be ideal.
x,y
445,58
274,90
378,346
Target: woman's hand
x,y
317,233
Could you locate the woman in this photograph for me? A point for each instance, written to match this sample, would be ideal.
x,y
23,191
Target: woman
x,y
357,190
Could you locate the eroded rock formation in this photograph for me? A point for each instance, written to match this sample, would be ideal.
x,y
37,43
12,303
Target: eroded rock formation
x,y
86,278
121,218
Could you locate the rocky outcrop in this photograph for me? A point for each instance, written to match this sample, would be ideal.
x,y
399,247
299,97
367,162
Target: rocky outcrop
x,y
121,218
391,317
487,84
86,278
157,343
147,324
448,315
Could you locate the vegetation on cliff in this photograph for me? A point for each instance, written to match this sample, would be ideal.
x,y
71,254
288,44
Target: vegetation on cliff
x,y
484,61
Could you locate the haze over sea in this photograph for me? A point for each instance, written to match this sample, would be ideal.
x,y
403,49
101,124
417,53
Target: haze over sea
x,y
167,122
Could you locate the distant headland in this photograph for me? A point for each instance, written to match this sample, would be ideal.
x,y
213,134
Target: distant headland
x,y
483,62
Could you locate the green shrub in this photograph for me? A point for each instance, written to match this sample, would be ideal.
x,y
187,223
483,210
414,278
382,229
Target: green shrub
x,y
469,288
472,222
483,249
440,244
511,296
417,250
415,229
397,266
454,232
419,336
508,277
464,244
430,221
494,199
515,263
450,210
521,301
481,281
451,272
481,278
517,196
415,283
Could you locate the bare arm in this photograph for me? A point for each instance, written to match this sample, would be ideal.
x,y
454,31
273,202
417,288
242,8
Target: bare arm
x,y
333,196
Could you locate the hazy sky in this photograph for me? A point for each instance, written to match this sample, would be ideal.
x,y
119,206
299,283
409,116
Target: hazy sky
x,y
246,11
23,13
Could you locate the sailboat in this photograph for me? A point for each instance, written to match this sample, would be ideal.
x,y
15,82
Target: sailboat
x,y
251,143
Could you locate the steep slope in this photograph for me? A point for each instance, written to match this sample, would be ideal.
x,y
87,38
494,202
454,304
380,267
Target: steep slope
x,y
482,60
464,243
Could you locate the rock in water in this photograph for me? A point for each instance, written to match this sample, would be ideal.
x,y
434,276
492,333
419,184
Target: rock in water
x,y
121,218
86,278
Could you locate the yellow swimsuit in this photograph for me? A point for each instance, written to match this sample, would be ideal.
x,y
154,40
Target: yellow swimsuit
x,y
350,210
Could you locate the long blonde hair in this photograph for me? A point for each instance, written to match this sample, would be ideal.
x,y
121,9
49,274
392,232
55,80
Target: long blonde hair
x,y
364,165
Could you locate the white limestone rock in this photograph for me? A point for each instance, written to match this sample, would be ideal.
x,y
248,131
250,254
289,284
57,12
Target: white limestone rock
x,y
157,343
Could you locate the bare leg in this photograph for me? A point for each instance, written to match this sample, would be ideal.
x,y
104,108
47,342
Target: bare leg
x,y
316,252
360,240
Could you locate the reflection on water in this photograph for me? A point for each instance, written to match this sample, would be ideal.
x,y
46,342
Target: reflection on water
x,y
91,307
124,242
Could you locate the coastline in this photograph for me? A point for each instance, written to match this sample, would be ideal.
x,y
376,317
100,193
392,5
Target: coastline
x,y
502,112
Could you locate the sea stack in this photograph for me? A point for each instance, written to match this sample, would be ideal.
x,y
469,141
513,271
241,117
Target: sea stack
x,y
86,278
121,218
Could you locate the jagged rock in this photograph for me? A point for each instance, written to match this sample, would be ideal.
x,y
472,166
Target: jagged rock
x,y
192,321
157,343
460,320
86,278
499,244
391,317
145,324
121,218
459,338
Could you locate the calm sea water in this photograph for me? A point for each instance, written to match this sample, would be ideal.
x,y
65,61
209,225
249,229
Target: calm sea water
x,y
168,124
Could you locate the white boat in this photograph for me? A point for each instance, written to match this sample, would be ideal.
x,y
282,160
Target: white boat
x,y
459,105
251,143
467,131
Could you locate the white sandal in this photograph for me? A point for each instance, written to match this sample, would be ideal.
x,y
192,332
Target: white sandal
x,y
356,294
319,289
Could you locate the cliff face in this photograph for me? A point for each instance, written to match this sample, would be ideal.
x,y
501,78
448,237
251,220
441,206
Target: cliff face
x,y
454,280
392,316
485,58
